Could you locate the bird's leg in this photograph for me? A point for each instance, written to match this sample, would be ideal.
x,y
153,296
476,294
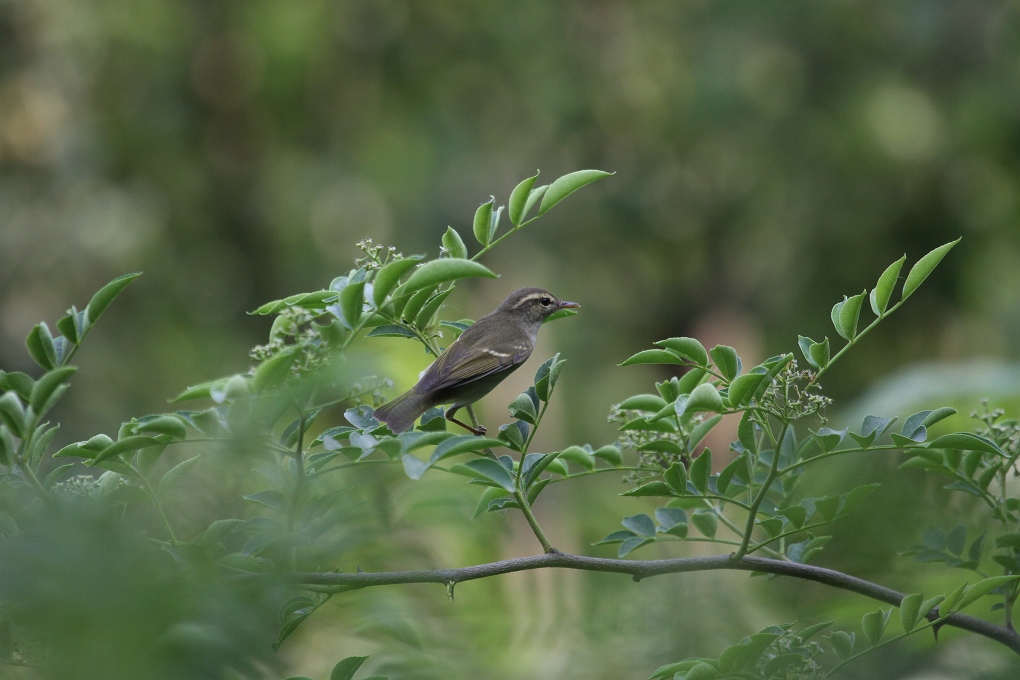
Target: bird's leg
x,y
478,431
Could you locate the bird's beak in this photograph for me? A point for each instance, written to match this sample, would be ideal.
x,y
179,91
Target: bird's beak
x,y
569,305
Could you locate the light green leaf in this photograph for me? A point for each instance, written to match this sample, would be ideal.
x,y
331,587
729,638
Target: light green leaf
x,y
105,295
874,624
982,588
174,475
689,348
346,669
386,279
482,226
653,356
43,389
701,470
726,360
882,293
443,270
920,271
568,184
910,606
849,313
492,471
352,299
454,244
966,442
519,198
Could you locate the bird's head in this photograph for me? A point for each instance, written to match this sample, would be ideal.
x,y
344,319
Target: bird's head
x,y
534,305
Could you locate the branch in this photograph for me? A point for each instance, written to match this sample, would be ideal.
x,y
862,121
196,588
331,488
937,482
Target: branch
x,y
640,569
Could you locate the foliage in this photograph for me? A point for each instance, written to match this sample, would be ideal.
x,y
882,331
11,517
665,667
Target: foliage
x,y
274,421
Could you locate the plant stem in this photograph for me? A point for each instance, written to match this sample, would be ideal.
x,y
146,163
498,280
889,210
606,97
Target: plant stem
x,y
762,492
851,343
299,475
159,505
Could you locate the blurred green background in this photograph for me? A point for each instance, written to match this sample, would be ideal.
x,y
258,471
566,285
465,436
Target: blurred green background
x,y
770,158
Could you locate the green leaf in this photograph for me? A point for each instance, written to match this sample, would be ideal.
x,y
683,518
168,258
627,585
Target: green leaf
x,y
653,356
920,271
688,348
174,475
493,471
105,295
704,398
676,477
482,226
519,198
644,402
386,279
742,388
726,360
701,470
982,588
874,624
443,270
454,244
523,407
650,489
910,606
13,413
699,432
352,299
271,373
829,439
641,525
40,346
390,332
409,312
706,521
849,313
882,293
168,425
462,444
609,453
631,544
424,318
44,388
579,456
126,445
967,442
842,643
346,669
568,184
816,353
937,415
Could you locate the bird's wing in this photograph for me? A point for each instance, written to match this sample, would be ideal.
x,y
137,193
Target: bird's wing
x,y
462,363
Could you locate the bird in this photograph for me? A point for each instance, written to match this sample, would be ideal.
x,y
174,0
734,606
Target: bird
x,y
482,357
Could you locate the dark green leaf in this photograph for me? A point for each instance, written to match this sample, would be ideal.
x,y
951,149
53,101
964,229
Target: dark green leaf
x,y
920,271
704,398
568,184
44,388
609,453
126,445
631,544
702,429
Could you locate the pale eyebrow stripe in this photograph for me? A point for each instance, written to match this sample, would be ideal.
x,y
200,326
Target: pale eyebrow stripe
x,y
495,353
533,296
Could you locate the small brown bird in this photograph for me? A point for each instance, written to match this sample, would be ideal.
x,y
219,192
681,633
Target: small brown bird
x,y
486,353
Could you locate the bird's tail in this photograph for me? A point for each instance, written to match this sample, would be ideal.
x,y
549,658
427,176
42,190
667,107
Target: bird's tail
x,y
401,413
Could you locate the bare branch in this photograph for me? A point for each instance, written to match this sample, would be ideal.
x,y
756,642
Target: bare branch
x,y
640,569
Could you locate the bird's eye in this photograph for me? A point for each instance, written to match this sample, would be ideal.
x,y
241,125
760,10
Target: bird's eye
x,y
545,302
